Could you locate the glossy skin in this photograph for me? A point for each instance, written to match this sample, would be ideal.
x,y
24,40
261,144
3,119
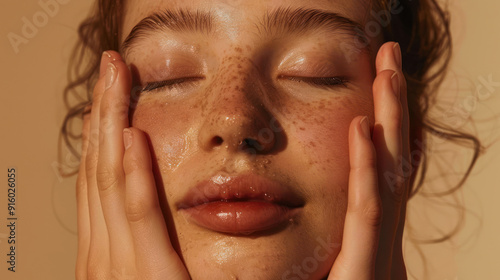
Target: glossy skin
x,y
195,131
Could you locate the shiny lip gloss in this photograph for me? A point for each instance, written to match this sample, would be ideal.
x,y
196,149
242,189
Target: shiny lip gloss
x,y
241,204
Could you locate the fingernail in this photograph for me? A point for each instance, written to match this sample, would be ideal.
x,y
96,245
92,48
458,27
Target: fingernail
x,y
127,138
395,84
105,54
110,75
365,127
397,55
108,55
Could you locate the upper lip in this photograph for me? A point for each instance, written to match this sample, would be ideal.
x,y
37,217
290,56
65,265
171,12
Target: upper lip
x,y
243,187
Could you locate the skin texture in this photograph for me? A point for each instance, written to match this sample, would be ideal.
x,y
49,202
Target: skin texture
x,y
129,184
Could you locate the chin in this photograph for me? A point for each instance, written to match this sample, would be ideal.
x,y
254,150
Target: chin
x,y
290,252
241,264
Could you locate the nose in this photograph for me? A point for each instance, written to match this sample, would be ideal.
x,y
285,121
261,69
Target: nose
x,y
236,118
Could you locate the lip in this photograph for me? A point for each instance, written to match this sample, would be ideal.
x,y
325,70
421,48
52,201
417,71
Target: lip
x,y
241,204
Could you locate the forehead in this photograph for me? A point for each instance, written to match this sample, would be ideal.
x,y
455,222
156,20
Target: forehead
x,y
240,14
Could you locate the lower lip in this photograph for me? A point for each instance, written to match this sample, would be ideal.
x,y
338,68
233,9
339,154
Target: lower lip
x,y
242,217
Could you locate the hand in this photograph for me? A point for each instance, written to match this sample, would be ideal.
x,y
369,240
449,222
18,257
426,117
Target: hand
x,y
121,229
378,187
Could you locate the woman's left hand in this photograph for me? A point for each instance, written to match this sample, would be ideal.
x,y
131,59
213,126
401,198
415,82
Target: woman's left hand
x,y
378,180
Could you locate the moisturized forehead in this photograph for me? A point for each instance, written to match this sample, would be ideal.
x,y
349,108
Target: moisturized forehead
x,y
135,10
237,19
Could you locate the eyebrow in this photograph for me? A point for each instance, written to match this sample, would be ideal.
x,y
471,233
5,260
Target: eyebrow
x,y
174,20
279,22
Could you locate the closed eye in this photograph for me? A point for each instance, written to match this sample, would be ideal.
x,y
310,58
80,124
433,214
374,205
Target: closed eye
x,y
327,82
170,84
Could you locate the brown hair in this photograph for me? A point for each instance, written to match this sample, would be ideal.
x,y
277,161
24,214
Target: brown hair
x,y
421,28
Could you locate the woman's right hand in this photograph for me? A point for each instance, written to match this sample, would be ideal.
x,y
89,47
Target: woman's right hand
x,y
121,229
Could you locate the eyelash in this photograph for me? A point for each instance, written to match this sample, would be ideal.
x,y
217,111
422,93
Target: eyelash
x,y
169,84
322,82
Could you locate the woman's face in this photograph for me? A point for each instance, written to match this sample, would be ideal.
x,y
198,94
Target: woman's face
x,y
247,105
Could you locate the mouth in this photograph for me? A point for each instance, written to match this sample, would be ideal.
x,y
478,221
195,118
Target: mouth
x,y
242,204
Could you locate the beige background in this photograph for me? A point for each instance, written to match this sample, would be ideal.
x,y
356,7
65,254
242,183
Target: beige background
x,y
31,112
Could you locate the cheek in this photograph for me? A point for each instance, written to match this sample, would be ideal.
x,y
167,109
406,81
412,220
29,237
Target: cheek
x,y
172,140
320,157
322,130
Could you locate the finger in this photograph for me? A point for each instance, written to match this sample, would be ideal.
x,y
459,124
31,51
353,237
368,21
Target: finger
x,y
387,141
98,258
155,256
83,219
110,177
390,137
387,132
398,268
356,259
389,58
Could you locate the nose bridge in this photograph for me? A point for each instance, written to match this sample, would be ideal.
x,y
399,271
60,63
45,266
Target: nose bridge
x,y
235,114
239,76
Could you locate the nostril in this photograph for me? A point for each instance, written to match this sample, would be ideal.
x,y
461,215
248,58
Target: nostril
x,y
253,144
217,140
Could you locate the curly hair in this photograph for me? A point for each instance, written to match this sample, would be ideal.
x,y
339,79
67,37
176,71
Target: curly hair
x,y
422,28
